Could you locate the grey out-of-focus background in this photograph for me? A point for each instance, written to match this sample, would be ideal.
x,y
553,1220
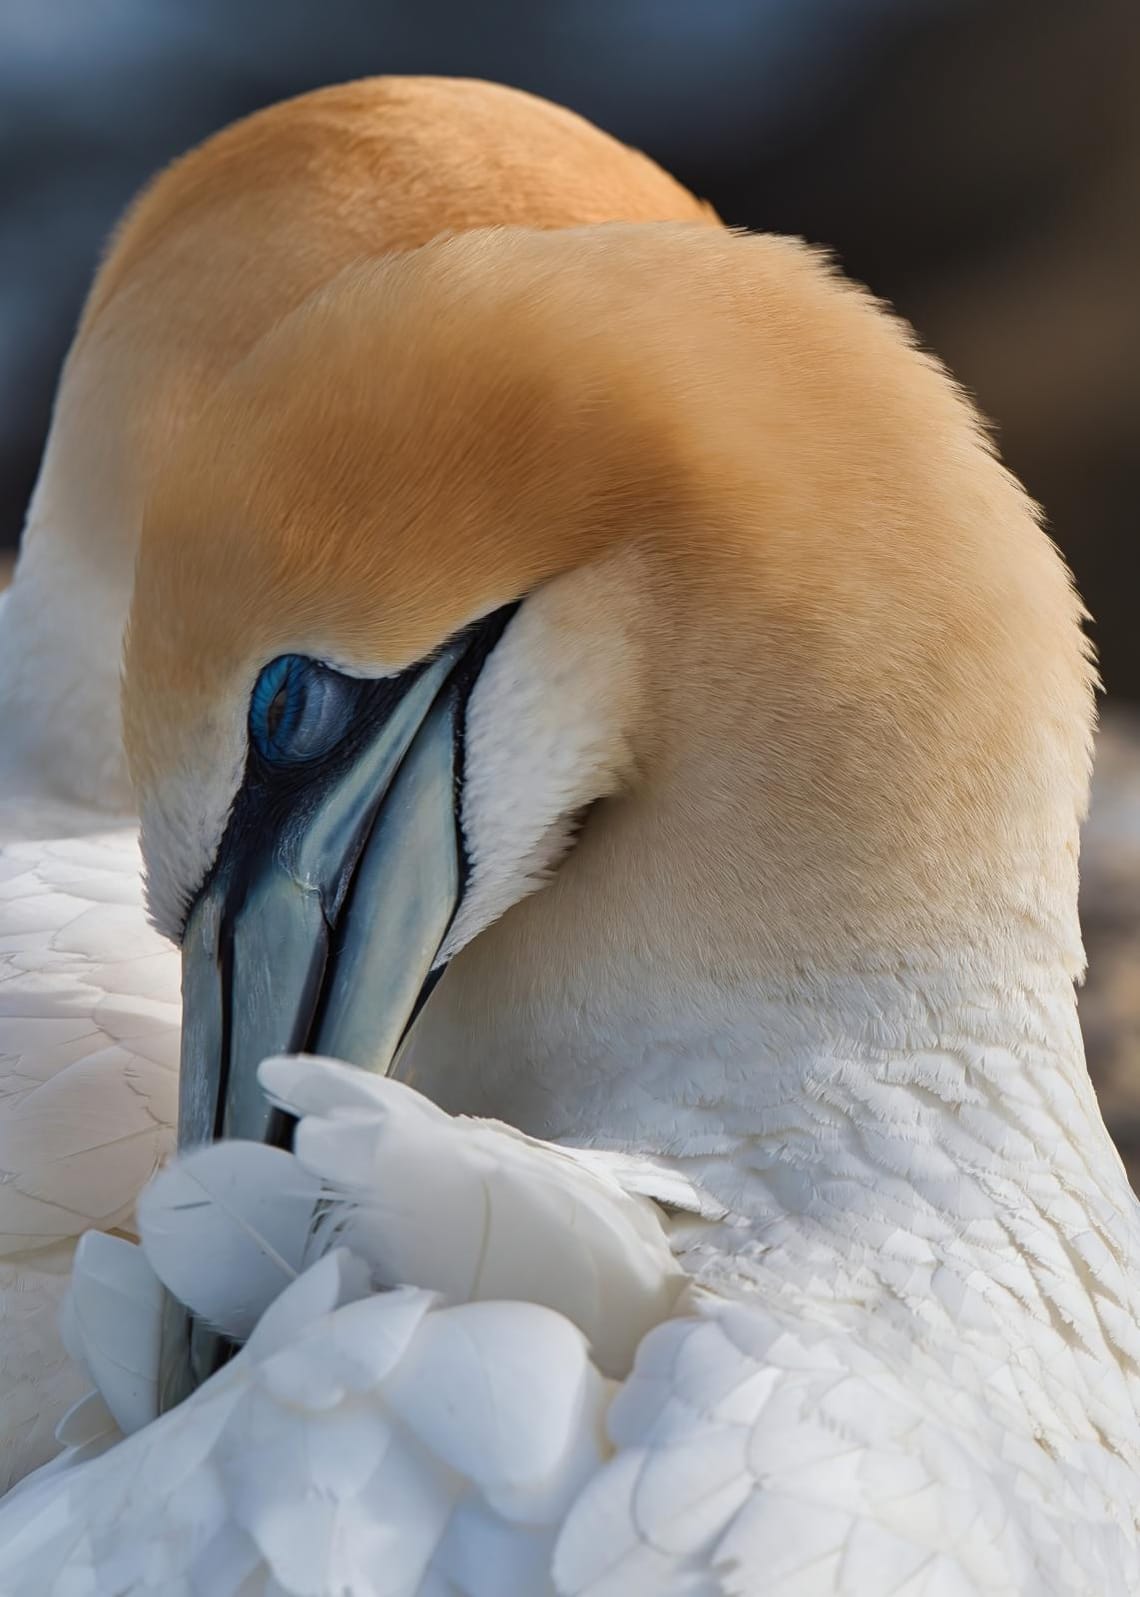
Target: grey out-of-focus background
x,y
977,162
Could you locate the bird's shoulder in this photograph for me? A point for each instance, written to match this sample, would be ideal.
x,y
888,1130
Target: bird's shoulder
x,y
89,1024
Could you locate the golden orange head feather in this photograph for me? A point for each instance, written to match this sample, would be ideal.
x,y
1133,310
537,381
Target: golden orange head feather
x,y
216,250
239,231
845,615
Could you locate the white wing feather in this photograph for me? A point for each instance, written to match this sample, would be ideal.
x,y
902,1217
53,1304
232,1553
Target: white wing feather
x,y
382,1443
378,1446
226,1229
89,1015
110,1324
474,1210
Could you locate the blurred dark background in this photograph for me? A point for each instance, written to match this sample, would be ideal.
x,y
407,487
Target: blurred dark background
x,y
977,162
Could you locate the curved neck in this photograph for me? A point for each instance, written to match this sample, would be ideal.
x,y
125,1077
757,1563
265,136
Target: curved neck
x,y
604,1029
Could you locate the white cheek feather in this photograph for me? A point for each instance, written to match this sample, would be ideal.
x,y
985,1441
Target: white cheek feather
x,y
182,820
545,736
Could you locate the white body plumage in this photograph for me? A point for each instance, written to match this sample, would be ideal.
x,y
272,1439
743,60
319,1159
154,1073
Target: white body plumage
x,y
893,1414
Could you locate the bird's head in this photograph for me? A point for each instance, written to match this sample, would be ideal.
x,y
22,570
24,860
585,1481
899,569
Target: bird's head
x,y
644,569
211,255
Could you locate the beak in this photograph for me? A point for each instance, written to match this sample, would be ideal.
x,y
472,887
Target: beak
x,y
319,925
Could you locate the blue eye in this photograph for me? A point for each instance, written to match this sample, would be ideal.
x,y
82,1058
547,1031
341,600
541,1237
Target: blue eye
x,y
299,709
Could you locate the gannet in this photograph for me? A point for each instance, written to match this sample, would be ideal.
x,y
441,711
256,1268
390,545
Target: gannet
x,y
220,247
617,691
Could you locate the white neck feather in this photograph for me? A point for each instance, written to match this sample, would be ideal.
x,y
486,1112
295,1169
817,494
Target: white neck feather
x,y
933,1107
923,1148
943,1191
61,636
933,1082
921,1166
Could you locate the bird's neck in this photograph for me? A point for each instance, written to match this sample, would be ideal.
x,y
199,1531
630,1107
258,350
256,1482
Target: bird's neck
x,y
933,1103
910,1157
927,1163
932,1097
934,1179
